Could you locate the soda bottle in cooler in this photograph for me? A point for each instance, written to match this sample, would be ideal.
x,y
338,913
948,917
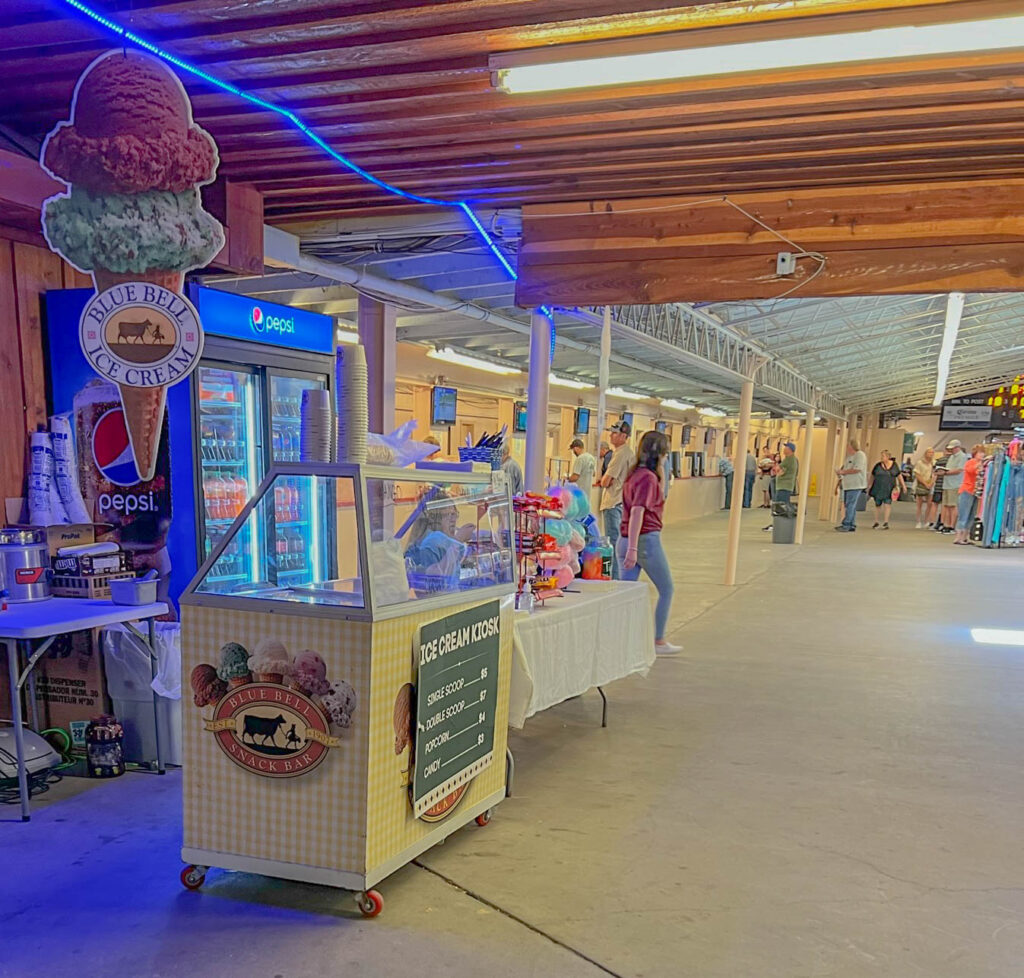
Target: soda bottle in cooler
x,y
276,442
294,502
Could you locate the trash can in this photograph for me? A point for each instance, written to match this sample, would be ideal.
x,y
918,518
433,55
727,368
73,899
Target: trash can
x,y
783,522
131,688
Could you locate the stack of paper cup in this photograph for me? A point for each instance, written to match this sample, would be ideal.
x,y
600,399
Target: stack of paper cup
x,y
353,410
316,431
44,505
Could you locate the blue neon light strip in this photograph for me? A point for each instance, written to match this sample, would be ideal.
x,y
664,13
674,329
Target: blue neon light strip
x,y
126,35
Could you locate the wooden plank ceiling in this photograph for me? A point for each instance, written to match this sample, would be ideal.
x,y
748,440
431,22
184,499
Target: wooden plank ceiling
x,y
403,88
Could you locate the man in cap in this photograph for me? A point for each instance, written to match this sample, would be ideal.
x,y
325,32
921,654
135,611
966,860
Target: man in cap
x,y
785,481
612,482
584,466
952,481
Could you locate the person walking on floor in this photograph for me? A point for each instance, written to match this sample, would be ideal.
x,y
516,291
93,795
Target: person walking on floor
x,y
884,488
639,544
924,480
749,475
726,470
956,459
854,476
622,461
967,500
764,481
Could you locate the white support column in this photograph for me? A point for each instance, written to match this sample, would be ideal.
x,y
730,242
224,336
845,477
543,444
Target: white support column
x,y
806,454
602,379
537,401
732,552
377,334
828,476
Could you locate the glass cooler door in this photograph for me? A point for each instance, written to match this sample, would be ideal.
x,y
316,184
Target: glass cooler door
x,y
299,509
230,465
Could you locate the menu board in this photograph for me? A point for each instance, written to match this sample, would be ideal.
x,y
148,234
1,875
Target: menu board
x,y
456,696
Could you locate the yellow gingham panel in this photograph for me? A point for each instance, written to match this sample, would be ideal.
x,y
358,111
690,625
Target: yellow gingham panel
x,y
317,819
391,827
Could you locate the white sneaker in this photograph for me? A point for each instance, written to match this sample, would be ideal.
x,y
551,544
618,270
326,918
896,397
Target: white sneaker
x,y
667,648
919,526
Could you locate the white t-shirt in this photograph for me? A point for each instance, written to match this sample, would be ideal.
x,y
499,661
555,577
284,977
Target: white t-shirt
x,y
859,480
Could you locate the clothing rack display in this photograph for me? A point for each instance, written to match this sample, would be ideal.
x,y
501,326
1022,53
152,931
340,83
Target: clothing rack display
x,y
1001,507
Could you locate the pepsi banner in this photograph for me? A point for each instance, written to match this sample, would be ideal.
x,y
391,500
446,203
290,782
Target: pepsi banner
x,y
240,317
138,510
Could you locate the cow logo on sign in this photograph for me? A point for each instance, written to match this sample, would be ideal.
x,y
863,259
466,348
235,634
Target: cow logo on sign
x,y
271,730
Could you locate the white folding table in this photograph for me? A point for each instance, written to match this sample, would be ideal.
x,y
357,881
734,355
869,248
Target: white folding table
x,y
26,622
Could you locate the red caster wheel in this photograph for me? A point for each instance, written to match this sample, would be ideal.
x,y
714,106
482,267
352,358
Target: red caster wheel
x,y
193,877
484,818
370,903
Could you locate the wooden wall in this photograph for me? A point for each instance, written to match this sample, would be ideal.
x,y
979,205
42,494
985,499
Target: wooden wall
x,y
26,272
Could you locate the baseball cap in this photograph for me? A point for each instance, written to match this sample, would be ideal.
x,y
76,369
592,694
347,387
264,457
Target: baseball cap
x,y
955,443
576,443
620,426
791,446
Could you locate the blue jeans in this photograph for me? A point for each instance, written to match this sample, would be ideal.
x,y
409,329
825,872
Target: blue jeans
x,y
650,557
612,531
748,489
850,499
966,506
728,491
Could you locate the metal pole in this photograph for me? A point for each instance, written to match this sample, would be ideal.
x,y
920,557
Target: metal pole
x,y
827,475
602,378
732,551
151,633
13,660
805,474
537,400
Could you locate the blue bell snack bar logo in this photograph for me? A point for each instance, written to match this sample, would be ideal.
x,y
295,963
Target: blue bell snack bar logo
x,y
142,337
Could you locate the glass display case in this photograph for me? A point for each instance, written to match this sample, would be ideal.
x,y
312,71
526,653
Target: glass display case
x,y
382,540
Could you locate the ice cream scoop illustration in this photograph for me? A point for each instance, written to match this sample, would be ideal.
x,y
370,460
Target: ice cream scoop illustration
x,y
270,661
309,674
133,161
403,718
234,665
339,703
207,686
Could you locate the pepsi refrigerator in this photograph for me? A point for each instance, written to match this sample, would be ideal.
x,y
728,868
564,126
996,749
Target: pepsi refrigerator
x,y
238,413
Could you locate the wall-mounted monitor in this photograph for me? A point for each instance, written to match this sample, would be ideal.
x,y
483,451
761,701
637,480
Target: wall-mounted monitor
x,y
627,416
661,426
581,423
519,417
443,403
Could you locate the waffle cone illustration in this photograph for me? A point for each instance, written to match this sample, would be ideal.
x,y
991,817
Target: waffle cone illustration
x,y
104,279
144,418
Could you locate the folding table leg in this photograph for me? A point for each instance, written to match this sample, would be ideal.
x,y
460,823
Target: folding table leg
x,y
13,658
604,707
151,631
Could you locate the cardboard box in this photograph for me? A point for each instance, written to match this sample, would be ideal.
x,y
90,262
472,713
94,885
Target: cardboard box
x,y
90,565
70,683
61,535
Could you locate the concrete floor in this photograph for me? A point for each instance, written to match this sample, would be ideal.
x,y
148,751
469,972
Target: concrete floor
x,y
826,783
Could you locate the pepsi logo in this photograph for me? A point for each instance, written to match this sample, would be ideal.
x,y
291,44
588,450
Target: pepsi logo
x,y
257,319
112,450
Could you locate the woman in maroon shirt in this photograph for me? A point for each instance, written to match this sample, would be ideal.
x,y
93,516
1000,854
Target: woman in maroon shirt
x,y
639,545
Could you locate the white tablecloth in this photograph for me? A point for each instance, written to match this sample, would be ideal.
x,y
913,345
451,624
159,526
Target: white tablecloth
x,y
580,641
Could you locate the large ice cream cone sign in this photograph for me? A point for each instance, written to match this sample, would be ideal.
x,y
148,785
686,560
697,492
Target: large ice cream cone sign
x,y
133,161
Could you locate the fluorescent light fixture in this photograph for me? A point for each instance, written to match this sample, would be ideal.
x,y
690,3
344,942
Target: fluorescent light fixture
x,y
712,412
448,355
918,434
768,55
576,385
675,405
347,336
997,636
629,395
954,310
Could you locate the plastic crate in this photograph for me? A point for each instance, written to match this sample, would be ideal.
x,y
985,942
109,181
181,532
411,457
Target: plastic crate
x,y
96,586
481,454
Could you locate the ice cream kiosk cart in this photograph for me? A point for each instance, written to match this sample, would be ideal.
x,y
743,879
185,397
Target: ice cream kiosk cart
x,y
342,726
